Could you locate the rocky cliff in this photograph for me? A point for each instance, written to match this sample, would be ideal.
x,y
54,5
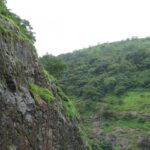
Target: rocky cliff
x,y
32,110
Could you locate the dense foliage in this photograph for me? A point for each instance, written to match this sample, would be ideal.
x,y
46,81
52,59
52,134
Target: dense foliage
x,y
53,65
110,68
111,84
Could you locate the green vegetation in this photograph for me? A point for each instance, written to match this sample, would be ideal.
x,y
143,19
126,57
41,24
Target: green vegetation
x,y
111,83
68,104
62,94
49,76
108,68
44,93
138,101
125,124
127,111
53,65
71,110
22,28
3,8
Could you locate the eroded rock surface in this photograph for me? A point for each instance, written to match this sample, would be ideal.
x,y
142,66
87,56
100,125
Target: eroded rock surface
x,y
24,124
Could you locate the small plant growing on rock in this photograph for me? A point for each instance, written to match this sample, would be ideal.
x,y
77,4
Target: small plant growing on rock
x,y
44,93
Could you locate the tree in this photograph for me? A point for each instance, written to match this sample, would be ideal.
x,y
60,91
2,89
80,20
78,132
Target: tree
x,y
53,65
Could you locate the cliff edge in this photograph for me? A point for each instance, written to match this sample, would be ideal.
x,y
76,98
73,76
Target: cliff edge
x,y
33,113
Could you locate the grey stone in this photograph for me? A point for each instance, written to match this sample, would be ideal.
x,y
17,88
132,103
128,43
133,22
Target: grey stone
x,y
24,124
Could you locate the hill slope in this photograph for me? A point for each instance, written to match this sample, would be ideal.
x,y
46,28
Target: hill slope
x,y
111,87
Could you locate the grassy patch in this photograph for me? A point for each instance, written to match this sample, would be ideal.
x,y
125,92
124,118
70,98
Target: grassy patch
x,y
116,148
111,125
71,110
132,101
44,93
68,104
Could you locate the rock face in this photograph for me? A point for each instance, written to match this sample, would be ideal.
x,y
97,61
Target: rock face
x,y
24,123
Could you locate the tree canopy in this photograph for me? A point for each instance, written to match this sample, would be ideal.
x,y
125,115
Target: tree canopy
x,y
108,68
53,65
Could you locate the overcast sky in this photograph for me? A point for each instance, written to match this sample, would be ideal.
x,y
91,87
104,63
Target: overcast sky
x,y
65,25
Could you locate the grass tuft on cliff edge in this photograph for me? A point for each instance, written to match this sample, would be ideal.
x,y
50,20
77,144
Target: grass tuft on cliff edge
x,y
44,93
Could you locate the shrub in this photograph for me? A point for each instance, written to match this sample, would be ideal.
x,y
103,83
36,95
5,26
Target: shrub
x,y
106,145
120,89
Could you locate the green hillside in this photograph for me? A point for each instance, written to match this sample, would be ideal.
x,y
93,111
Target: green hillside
x,y
111,85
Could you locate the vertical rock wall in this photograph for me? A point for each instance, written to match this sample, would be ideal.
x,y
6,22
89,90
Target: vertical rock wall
x,y
24,123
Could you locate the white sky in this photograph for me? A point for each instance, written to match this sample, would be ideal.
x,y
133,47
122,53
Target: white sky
x,y
65,25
